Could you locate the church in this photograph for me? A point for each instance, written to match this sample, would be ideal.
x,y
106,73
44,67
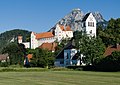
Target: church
x,y
69,55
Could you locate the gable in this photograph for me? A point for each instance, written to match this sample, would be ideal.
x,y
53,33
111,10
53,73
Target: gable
x,y
85,17
91,18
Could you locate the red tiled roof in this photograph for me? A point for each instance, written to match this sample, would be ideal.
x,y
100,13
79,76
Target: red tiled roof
x,y
62,27
49,46
68,28
44,35
111,49
3,56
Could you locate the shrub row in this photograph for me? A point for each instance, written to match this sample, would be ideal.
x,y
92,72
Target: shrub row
x,y
11,69
7,69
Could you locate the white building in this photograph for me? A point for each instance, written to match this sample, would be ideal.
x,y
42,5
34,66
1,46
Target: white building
x,y
68,56
20,41
38,39
60,32
89,24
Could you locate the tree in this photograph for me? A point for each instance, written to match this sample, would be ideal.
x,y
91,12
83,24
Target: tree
x,y
42,58
16,53
92,48
109,63
111,35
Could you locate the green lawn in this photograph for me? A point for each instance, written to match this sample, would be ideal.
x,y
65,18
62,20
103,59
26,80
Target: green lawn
x,y
60,78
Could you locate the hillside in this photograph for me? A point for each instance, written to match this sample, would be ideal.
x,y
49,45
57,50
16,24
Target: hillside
x,y
11,36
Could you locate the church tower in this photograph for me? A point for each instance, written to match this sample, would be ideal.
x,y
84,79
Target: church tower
x,y
19,39
89,24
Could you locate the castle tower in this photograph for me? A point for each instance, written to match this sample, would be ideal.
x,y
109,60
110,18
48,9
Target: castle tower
x,y
89,24
19,39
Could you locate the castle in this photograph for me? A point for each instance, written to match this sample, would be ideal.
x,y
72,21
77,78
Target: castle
x,y
60,32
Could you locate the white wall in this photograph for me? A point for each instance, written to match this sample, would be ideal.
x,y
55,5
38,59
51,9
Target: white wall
x,y
69,53
27,44
90,28
46,40
34,42
59,34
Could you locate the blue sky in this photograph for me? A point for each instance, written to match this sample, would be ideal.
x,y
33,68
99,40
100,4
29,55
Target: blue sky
x,y
41,15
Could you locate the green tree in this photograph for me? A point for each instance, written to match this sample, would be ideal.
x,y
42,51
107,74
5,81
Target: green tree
x,y
42,58
109,63
16,53
92,48
111,35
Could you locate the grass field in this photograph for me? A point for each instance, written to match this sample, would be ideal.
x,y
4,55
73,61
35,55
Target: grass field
x,y
60,78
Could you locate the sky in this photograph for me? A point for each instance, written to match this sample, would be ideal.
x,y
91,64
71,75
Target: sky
x,y
41,15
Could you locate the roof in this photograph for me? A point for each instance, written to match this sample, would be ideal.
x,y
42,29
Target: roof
x,y
29,56
3,56
68,46
19,37
68,28
62,27
86,16
49,46
75,57
111,49
44,35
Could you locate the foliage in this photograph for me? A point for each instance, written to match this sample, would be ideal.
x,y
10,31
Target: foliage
x,y
6,37
42,58
92,48
109,63
16,53
18,69
111,35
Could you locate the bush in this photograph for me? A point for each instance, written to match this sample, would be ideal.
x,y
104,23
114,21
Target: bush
x,y
9,69
108,64
60,69
82,68
4,64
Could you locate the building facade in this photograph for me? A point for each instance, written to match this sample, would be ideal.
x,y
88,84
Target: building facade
x,y
89,24
60,32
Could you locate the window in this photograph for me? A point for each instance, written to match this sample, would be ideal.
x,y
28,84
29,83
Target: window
x,y
91,24
84,24
61,62
90,31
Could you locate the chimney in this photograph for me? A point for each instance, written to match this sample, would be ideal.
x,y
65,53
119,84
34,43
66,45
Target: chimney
x,y
19,39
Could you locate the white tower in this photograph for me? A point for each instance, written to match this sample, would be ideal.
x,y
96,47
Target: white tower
x,y
34,42
19,39
89,24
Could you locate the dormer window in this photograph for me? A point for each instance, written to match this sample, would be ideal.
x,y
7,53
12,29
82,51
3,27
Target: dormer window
x,y
91,24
